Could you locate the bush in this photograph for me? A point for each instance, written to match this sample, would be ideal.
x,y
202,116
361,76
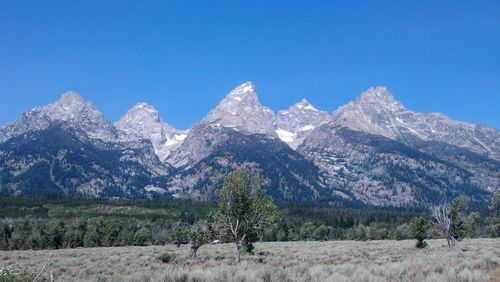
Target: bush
x,y
166,257
12,274
141,237
421,244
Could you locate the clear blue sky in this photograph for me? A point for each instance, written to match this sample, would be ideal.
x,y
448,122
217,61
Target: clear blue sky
x,y
184,56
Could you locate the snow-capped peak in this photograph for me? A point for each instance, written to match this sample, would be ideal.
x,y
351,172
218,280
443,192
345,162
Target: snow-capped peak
x,y
241,110
378,97
304,104
144,122
243,88
145,106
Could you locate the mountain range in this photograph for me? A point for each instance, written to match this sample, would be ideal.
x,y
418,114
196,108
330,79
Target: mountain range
x,y
372,151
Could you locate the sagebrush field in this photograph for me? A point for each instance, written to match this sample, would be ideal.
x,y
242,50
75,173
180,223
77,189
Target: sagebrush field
x,y
474,260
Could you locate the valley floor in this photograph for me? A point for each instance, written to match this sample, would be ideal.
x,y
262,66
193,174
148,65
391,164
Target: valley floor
x,y
475,260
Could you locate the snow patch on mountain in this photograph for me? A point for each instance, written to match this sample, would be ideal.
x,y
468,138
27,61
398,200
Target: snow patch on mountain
x,y
286,136
296,123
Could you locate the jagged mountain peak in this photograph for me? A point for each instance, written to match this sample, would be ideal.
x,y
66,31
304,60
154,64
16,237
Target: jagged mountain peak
x,y
144,106
244,88
377,98
376,111
140,113
243,94
72,110
304,105
71,106
241,110
143,121
143,111
374,106
71,97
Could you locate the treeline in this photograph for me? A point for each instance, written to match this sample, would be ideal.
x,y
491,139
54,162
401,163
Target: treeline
x,y
73,223
44,233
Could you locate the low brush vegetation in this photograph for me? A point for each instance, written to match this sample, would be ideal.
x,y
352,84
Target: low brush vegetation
x,y
387,260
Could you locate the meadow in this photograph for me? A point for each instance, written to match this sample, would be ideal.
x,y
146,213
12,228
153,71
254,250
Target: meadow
x,y
377,260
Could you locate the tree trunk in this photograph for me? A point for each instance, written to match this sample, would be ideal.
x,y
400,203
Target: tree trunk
x,y
452,242
194,250
239,245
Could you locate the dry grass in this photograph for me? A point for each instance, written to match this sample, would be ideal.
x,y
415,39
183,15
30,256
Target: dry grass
x,y
476,260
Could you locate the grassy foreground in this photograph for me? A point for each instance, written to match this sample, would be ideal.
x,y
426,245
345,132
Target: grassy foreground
x,y
475,260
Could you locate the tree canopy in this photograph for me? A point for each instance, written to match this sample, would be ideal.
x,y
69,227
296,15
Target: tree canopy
x,y
244,211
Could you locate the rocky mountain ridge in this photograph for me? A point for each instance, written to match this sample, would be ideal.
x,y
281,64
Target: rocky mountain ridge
x,y
371,151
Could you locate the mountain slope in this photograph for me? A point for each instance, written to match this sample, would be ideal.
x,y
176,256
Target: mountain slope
x,y
69,148
214,152
55,162
381,171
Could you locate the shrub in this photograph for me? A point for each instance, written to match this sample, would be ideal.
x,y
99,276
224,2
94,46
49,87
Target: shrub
x,y
142,236
12,274
166,257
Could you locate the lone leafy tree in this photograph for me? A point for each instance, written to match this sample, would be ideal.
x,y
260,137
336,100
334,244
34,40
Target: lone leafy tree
x,y
198,235
418,230
243,210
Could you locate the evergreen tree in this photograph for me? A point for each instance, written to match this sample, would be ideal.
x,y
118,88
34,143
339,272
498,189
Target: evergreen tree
x,y
493,221
418,230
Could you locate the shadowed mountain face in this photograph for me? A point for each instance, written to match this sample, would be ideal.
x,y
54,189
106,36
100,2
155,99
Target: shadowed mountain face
x,y
56,162
372,151
286,174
